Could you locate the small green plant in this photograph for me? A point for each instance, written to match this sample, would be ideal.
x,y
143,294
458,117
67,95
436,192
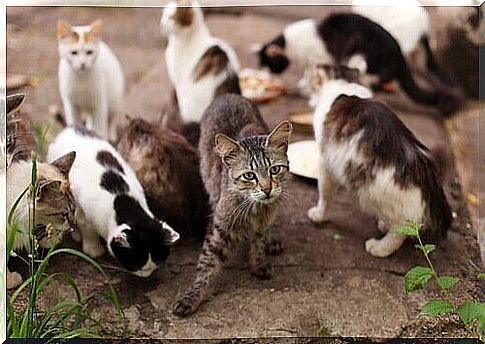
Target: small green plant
x,y
471,313
65,318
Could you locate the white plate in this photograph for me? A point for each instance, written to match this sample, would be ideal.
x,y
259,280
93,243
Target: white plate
x,y
303,156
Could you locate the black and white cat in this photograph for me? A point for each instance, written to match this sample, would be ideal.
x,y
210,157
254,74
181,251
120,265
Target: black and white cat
x,y
112,204
353,40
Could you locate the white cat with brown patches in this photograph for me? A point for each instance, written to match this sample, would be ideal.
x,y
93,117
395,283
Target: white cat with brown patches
x,y
91,81
200,66
366,148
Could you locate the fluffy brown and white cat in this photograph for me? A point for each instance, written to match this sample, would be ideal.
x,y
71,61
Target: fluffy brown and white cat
x,y
366,148
167,167
200,66
245,171
90,78
54,204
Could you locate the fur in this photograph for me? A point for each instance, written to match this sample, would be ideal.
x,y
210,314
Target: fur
x,y
91,81
365,147
112,204
199,65
245,171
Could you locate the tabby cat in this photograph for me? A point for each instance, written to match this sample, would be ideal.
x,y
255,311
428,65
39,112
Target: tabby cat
x,y
245,171
54,204
167,167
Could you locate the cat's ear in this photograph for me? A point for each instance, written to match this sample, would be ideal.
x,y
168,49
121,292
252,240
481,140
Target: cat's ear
x,y
120,239
350,74
279,137
64,163
14,101
63,29
95,28
227,148
169,235
274,50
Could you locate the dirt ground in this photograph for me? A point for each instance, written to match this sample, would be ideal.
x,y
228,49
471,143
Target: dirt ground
x,y
324,283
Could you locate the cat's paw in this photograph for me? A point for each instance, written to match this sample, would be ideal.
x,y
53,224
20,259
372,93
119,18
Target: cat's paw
x,y
94,250
377,248
13,279
263,271
317,214
185,307
274,247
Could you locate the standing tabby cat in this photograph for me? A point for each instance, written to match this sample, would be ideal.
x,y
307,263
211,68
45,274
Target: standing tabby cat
x,y
167,167
365,147
200,66
347,38
245,171
55,206
90,78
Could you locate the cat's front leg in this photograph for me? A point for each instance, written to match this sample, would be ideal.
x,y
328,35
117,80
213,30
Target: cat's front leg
x,y
70,112
214,253
13,279
326,190
100,120
91,243
385,246
260,267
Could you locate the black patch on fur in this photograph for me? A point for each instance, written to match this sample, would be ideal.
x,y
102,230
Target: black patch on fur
x,y
107,160
277,64
145,237
82,130
114,183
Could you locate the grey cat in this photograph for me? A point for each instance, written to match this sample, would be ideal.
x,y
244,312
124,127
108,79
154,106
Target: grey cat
x,y
245,172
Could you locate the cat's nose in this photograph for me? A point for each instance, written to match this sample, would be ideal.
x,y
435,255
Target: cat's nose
x,y
267,190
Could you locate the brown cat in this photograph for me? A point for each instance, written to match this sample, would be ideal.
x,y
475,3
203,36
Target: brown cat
x,y
167,167
55,205
245,171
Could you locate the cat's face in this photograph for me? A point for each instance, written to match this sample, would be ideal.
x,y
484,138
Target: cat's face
x,y
139,242
180,16
273,56
79,45
258,165
55,204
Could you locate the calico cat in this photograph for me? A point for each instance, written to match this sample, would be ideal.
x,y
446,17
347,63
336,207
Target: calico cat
x,y
90,78
167,167
347,38
245,171
21,139
54,204
200,66
366,148
112,205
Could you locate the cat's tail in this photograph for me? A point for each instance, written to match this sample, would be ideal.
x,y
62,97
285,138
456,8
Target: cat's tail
x,y
446,99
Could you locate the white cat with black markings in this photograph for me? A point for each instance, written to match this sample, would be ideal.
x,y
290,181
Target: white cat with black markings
x,y
365,147
200,66
91,81
112,204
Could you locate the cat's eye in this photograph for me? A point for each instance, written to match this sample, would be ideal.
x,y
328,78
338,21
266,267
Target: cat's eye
x,y
74,52
89,52
275,169
249,176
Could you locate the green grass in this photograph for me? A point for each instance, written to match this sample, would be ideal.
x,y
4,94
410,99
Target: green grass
x,y
65,318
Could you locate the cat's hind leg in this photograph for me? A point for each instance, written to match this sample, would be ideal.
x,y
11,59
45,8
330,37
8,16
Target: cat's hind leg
x,y
215,252
92,244
386,245
326,190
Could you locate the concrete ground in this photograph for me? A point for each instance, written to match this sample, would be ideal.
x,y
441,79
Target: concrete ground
x,y
324,282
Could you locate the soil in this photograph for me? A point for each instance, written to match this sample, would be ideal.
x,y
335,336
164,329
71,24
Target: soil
x,y
324,283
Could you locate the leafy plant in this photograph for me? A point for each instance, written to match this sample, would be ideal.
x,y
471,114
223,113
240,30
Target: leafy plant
x,y
65,318
471,313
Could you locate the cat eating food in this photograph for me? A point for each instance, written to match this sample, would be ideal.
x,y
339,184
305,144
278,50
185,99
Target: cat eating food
x,y
200,66
167,167
91,81
54,204
112,204
351,39
365,147
245,171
